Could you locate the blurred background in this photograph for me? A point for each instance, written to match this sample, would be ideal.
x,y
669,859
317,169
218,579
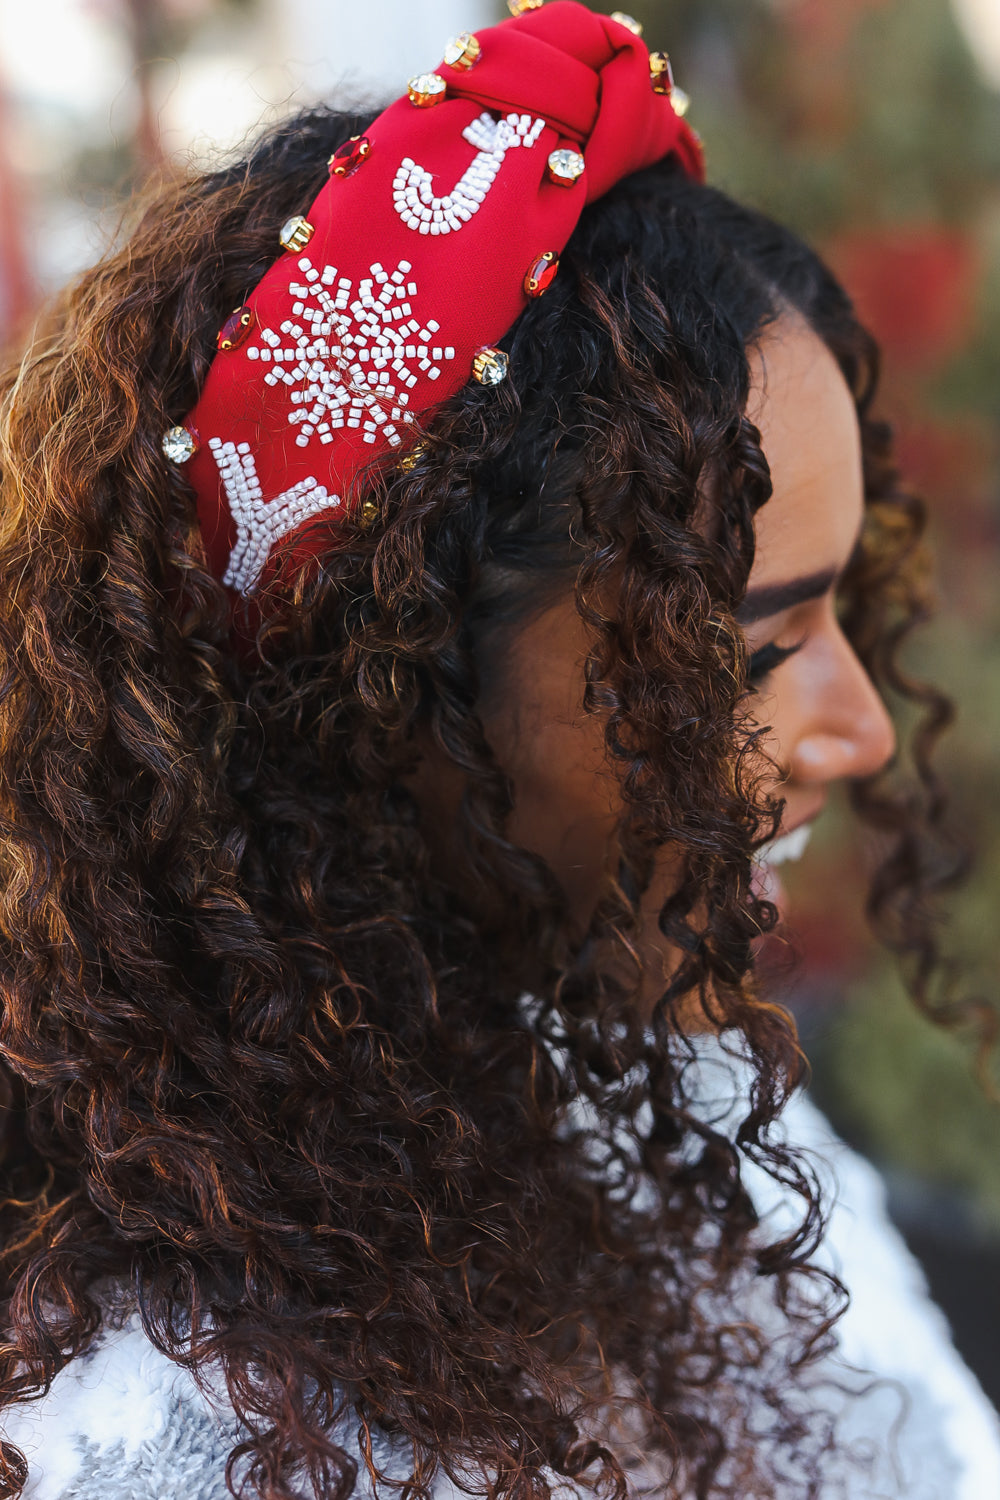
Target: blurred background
x,y
871,126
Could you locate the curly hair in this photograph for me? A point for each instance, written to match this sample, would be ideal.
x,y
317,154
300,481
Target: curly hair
x,y
268,1070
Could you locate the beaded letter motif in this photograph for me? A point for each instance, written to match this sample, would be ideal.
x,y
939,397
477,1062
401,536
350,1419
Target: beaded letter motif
x,y
413,187
350,363
260,524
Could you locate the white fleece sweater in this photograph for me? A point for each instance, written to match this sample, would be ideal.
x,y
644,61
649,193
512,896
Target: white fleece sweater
x,y
125,1423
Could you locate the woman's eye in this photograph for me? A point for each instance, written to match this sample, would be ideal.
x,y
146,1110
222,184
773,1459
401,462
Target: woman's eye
x,y
764,661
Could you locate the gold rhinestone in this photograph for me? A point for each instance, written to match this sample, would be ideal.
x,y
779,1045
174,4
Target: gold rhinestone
x,y
680,101
366,514
518,7
410,460
661,74
426,89
296,233
489,366
565,166
623,20
463,51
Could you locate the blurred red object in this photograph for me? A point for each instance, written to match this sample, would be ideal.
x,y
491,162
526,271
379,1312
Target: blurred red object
x,y
914,288
18,289
824,24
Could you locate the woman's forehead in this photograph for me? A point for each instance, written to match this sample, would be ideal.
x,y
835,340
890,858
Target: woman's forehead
x,y
810,436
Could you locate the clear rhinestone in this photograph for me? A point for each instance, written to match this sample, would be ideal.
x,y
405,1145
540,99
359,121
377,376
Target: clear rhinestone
x,y
179,445
296,233
426,88
623,20
565,166
462,51
518,7
489,366
681,102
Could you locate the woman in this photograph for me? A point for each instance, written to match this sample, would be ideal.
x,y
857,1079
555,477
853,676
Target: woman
x,y
391,1099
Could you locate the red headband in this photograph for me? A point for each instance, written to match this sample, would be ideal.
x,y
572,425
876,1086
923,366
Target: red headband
x,y
433,231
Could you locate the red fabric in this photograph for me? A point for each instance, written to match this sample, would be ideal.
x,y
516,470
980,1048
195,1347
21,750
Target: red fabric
x,y
586,79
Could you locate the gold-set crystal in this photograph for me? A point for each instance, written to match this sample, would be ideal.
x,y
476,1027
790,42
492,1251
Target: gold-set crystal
x,y
565,167
463,51
661,75
541,274
426,89
623,20
245,319
347,158
410,460
518,7
489,366
296,233
179,445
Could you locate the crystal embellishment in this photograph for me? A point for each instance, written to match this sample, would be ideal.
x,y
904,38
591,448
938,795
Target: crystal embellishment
x,y
347,158
235,329
628,21
489,366
410,460
519,7
680,101
179,445
565,167
661,75
296,233
426,89
463,51
541,274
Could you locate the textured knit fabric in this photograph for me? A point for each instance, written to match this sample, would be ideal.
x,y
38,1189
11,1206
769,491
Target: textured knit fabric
x,y
125,1423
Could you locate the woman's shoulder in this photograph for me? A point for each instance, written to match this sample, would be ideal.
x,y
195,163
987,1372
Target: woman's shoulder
x,y
123,1422
126,1422
924,1406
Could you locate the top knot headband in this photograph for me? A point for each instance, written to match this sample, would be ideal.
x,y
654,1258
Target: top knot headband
x,y
433,231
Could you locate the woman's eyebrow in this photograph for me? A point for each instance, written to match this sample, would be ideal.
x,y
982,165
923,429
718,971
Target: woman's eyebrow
x,y
759,603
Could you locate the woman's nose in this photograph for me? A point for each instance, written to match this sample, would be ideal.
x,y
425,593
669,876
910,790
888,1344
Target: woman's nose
x,y
850,733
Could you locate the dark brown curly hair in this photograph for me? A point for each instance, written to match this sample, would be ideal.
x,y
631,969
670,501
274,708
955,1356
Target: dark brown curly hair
x,y
270,1073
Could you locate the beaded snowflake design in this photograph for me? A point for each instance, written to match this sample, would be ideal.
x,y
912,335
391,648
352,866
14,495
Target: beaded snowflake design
x,y
350,360
413,186
260,523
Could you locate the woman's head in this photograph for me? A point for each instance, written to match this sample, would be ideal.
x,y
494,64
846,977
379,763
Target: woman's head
x,y
268,925
825,719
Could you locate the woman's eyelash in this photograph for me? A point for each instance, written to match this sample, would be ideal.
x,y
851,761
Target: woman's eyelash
x,y
764,661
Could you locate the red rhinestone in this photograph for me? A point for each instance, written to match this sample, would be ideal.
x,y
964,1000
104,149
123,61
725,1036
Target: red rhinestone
x,y
235,329
347,158
541,274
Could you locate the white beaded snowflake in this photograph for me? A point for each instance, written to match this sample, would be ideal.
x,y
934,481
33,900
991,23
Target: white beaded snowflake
x,y
413,186
260,523
351,360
